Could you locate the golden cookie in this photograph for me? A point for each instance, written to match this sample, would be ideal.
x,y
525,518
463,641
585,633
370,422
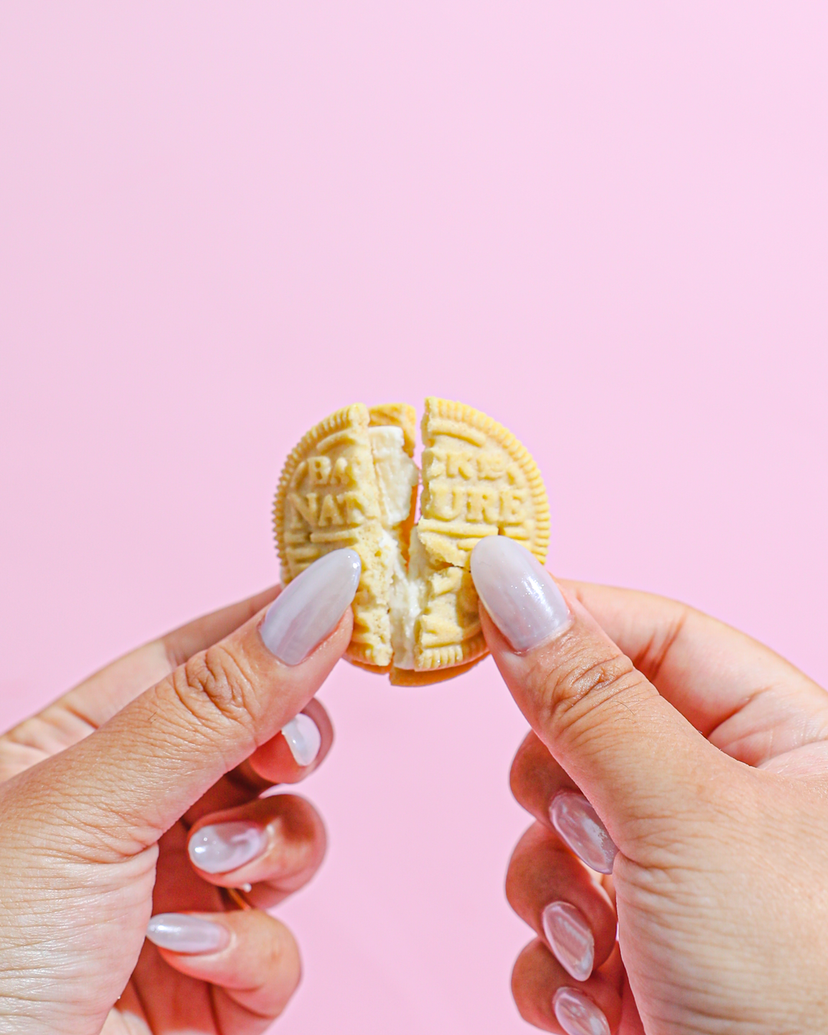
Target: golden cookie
x,y
352,482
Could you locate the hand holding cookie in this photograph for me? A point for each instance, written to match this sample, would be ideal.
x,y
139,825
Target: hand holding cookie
x,y
680,797
131,807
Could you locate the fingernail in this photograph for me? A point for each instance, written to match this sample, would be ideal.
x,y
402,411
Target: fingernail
x,y
309,608
303,738
580,828
183,933
577,1014
570,938
519,594
223,847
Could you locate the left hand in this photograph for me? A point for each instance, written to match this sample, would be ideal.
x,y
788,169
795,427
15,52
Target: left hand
x,y
114,807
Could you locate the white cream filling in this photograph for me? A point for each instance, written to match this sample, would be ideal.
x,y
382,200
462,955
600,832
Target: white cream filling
x,y
397,478
397,474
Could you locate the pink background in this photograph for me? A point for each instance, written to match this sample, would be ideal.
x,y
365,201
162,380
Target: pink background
x,y
604,224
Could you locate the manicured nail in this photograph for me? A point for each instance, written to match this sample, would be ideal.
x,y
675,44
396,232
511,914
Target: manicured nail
x,y
577,1014
580,828
303,738
223,847
519,594
182,933
570,938
308,609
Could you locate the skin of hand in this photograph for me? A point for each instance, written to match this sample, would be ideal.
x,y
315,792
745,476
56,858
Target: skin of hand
x,y
691,764
138,794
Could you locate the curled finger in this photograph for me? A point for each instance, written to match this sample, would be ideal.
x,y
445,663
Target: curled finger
x,y
274,844
547,997
558,897
545,790
250,958
536,778
297,750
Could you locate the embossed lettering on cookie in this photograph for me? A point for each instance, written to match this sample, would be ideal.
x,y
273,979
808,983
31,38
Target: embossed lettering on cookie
x,y
352,482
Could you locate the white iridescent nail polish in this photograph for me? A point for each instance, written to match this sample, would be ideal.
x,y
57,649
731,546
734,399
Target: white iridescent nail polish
x,y
580,828
569,938
577,1014
518,592
192,935
303,738
309,608
223,847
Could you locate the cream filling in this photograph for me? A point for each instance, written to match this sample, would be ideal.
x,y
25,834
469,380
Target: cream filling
x,y
397,474
397,478
407,601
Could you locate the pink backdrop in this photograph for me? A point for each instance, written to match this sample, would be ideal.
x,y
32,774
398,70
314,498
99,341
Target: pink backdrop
x,y
604,224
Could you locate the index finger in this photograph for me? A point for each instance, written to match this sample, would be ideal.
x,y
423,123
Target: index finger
x,y
82,710
732,688
110,689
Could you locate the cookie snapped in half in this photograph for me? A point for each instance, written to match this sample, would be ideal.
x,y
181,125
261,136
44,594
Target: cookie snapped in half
x,y
352,482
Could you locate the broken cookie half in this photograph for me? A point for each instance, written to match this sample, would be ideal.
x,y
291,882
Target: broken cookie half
x,y
352,482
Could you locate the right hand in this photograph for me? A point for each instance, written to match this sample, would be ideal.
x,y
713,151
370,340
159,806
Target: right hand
x,y
697,755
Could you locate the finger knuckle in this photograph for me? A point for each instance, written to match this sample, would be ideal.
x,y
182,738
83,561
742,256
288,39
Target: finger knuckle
x,y
526,977
527,866
281,963
584,682
519,775
512,884
215,686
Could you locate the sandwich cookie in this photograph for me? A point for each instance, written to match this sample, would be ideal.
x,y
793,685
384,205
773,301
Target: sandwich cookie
x,y
352,482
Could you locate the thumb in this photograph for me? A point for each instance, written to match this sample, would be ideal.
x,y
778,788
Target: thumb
x,y
632,754
132,779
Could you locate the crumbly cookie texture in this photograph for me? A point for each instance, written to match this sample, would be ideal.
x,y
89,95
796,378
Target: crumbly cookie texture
x,y
352,482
